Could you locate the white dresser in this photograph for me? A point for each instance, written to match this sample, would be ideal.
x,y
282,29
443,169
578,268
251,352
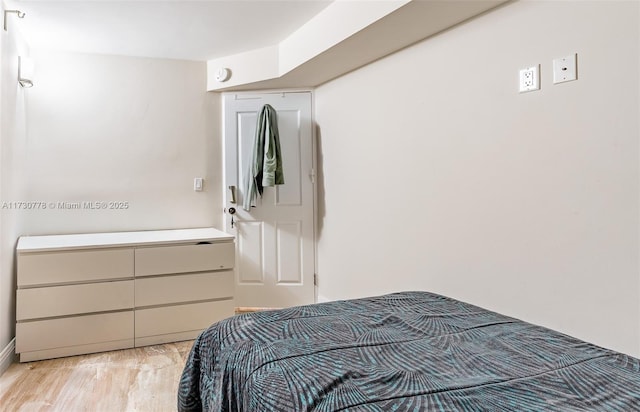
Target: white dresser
x,y
104,291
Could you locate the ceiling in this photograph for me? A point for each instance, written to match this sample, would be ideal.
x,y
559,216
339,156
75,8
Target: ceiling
x,y
175,29
264,43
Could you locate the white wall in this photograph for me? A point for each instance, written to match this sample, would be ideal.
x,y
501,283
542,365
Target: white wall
x,y
12,136
103,128
134,130
436,174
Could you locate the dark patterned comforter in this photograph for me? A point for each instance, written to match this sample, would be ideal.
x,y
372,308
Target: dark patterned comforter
x,y
411,351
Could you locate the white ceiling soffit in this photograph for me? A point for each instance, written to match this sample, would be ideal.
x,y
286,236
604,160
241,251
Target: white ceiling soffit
x,y
388,26
176,29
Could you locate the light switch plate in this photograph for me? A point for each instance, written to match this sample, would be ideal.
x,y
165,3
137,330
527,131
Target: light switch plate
x,y
197,184
565,69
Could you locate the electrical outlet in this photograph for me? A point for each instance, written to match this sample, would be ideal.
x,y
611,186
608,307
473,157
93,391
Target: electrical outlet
x,y
530,79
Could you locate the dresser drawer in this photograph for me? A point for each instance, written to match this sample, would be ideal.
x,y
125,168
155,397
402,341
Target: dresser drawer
x,y
73,299
74,266
73,331
181,318
184,259
183,288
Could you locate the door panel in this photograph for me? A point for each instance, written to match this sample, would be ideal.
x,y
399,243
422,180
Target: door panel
x,y
249,244
275,239
290,194
289,244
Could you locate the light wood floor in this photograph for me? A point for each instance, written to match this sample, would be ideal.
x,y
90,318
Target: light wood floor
x,y
140,380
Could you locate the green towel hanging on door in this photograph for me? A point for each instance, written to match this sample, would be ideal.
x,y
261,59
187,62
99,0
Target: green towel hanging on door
x,y
265,167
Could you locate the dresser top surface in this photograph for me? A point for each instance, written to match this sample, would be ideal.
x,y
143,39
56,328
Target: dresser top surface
x,y
119,239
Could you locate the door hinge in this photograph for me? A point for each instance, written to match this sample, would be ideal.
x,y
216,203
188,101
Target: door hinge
x,y
312,175
315,279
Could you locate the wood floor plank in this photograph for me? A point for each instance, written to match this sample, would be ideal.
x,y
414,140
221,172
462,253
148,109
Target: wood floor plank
x,y
140,379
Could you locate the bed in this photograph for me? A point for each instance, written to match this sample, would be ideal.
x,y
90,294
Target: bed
x,y
409,351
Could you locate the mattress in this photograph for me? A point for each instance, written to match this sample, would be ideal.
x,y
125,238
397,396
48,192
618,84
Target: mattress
x,y
409,351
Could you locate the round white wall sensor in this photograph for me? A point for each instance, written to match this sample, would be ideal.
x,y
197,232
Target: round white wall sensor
x,y
223,74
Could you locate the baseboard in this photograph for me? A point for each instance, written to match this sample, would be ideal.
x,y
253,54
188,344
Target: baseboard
x,y
245,309
322,299
7,356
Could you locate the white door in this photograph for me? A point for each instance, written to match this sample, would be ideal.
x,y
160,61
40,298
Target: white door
x,y
275,240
